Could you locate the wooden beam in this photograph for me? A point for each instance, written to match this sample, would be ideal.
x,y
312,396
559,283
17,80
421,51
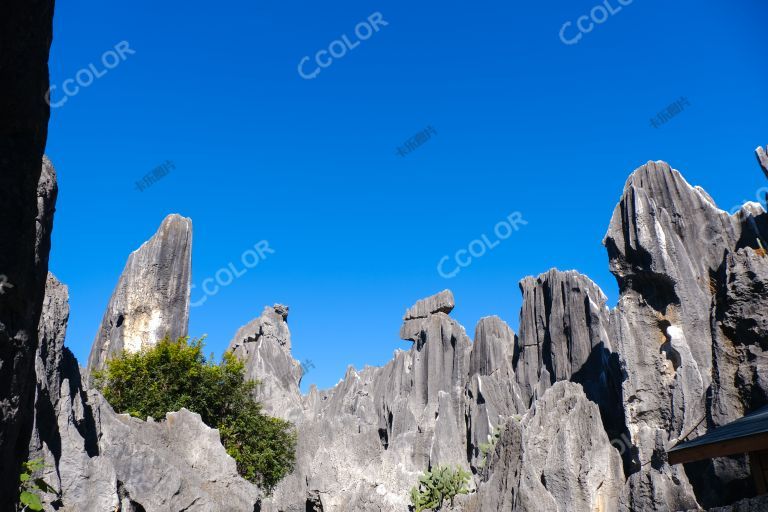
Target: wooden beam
x,y
737,446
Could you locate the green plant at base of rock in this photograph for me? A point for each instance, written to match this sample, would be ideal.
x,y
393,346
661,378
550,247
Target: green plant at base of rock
x,y
175,374
443,483
29,487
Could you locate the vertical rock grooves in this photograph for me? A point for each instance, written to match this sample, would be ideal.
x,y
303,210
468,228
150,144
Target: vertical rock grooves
x,y
27,200
151,299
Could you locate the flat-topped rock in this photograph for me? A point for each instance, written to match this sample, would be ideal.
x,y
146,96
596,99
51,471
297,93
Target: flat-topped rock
x,y
442,302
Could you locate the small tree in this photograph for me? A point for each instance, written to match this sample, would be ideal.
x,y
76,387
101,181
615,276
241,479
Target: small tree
x,y
175,374
443,483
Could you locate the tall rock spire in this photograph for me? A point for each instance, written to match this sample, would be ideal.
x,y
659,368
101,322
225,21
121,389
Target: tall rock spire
x,y
151,299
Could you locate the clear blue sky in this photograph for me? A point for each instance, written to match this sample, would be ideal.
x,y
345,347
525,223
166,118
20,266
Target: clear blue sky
x,y
523,123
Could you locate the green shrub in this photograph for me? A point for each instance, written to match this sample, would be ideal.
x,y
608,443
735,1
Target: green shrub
x,y
436,486
175,374
30,487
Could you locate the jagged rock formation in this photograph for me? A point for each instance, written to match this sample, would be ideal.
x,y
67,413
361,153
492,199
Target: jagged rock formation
x,y
265,345
492,393
103,461
151,299
671,250
681,353
364,441
585,401
27,198
565,335
27,202
556,458
762,157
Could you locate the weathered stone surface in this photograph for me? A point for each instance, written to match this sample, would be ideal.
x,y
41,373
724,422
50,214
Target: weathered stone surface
x,y
762,158
442,302
492,391
499,490
557,458
27,202
264,344
176,464
151,299
686,272
27,198
568,462
565,334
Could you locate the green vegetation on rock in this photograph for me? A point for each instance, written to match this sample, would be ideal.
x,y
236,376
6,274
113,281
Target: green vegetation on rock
x,y
443,483
31,487
175,374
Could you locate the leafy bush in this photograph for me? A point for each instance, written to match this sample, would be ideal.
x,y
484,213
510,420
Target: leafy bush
x,y
176,374
30,487
436,486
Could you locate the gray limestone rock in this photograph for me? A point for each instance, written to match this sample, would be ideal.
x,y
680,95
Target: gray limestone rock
x,y
151,299
439,303
28,193
264,344
557,458
565,334
684,326
492,391
172,465
762,158
27,198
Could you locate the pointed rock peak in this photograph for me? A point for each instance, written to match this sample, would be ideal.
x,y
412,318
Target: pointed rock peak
x,y
172,227
151,299
271,325
762,157
439,303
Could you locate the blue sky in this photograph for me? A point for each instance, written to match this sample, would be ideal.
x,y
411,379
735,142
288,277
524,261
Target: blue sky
x,y
523,123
